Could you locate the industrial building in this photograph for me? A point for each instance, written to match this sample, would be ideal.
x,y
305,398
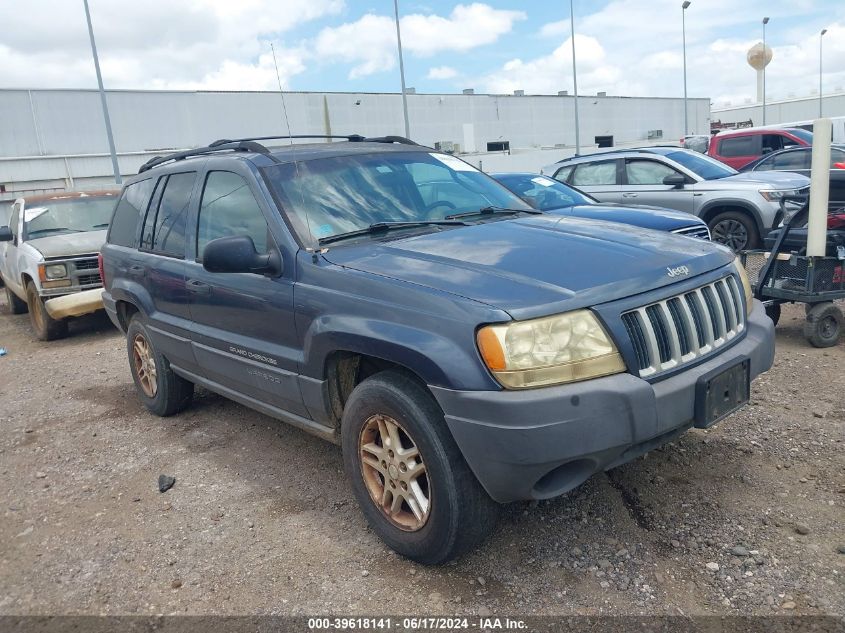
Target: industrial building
x,y
785,111
55,139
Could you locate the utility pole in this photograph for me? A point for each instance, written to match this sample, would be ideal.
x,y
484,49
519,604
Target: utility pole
x,y
114,164
684,8
574,77
402,70
765,22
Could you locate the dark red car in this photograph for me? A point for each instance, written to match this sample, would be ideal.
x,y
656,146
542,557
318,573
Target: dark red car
x,y
737,148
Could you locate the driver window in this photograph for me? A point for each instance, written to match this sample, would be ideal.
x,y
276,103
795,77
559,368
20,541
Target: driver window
x,y
772,143
228,209
647,172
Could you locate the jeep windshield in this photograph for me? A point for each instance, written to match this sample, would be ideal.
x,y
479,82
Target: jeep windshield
x,y
347,195
704,166
67,215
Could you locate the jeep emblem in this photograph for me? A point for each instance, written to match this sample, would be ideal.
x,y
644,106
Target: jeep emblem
x,y
678,271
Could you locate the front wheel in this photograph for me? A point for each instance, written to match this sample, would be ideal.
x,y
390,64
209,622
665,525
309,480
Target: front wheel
x,y
736,230
46,328
408,475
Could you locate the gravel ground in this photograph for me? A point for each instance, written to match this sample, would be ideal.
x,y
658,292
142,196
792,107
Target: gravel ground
x,y
746,518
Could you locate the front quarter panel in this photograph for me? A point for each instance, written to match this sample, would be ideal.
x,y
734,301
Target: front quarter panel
x,y
429,332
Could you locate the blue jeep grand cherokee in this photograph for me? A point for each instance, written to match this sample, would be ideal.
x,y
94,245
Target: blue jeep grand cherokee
x,y
463,348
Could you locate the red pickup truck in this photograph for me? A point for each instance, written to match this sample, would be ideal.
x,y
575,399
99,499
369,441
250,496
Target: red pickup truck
x,y
737,148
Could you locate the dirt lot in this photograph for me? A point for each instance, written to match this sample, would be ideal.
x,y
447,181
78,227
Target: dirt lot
x,y
744,518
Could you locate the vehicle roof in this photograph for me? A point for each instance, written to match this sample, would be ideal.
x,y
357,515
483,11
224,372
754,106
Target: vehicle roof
x,y
768,129
63,195
662,150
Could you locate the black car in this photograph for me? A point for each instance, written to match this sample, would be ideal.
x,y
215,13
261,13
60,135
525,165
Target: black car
x,y
547,194
797,160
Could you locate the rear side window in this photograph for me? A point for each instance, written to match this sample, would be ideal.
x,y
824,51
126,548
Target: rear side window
x,y
603,173
738,146
563,173
228,208
168,229
131,206
790,160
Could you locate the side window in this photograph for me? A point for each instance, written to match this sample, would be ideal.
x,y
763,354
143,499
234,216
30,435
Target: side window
x,y
772,143
788,142
563,173
148,231
128,212
601,173
737,146
837,158
168,233
766,164
228,208
790,160
647,172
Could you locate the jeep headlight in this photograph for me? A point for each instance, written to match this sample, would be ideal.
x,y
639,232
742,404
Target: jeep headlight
x,y
55,271
746,286
548,351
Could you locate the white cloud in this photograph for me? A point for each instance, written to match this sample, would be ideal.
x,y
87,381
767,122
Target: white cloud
x,y
441,72
555,29
219,44
370,42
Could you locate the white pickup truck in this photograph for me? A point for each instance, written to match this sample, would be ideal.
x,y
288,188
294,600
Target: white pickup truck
x,y
49,257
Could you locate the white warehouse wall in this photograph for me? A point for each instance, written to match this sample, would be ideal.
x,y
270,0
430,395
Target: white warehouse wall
x,y
787,111
55,139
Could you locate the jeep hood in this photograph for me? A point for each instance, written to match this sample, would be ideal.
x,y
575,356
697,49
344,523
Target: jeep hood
x,y
535,266
69,244
648,217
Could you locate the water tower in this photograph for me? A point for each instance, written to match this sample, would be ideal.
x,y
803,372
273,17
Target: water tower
x,y
758,58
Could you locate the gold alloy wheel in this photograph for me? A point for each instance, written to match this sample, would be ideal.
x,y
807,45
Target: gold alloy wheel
x,y
394,473
145,365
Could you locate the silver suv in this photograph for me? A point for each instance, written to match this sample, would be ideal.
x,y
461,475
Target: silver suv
x,y
739,208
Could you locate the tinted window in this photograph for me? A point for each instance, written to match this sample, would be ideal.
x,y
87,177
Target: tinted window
x,y
837,157
148,232
603,173
130,207
773,142
228,208
739,146
790,160
168,237
804,135
647,172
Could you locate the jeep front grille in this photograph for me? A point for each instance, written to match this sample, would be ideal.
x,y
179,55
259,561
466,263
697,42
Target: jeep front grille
x,y
685,327
699,230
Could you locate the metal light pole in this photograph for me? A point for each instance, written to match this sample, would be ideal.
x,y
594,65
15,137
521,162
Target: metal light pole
x,y
821,35
574,77
684,8
114,165
765,22
402,70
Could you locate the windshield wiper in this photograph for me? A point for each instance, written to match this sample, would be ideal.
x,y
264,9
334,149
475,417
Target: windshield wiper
x,y
490,211
53,230
384,227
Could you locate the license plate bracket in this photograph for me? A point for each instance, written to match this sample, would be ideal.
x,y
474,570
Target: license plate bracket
x,y
721,393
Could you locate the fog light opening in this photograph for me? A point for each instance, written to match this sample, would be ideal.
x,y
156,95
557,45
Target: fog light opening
x,y
563,478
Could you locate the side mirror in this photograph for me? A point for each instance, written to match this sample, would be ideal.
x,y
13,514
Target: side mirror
x,y
237,254
675,180
6,234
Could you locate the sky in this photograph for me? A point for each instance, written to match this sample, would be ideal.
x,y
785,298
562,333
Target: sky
x,y
623,47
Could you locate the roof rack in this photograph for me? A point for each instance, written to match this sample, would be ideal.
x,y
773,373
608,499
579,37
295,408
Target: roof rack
x,y
252,145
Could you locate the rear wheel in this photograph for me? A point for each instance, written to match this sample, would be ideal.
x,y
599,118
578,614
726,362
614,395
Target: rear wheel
x,y
735,229
407,473
16,305
823,325
160,389
46,328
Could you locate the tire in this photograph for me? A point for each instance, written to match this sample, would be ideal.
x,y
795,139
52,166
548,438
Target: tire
x,y
160,389
16,305
46,328
460,514
773,312
823,325
735,229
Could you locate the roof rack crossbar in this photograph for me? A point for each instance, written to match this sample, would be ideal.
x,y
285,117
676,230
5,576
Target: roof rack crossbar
x,y
353,138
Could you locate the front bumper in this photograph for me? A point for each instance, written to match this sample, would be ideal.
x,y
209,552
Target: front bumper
x,y
540,443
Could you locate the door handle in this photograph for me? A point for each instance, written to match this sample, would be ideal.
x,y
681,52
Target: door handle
x,y
629,195
137,270
198,287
